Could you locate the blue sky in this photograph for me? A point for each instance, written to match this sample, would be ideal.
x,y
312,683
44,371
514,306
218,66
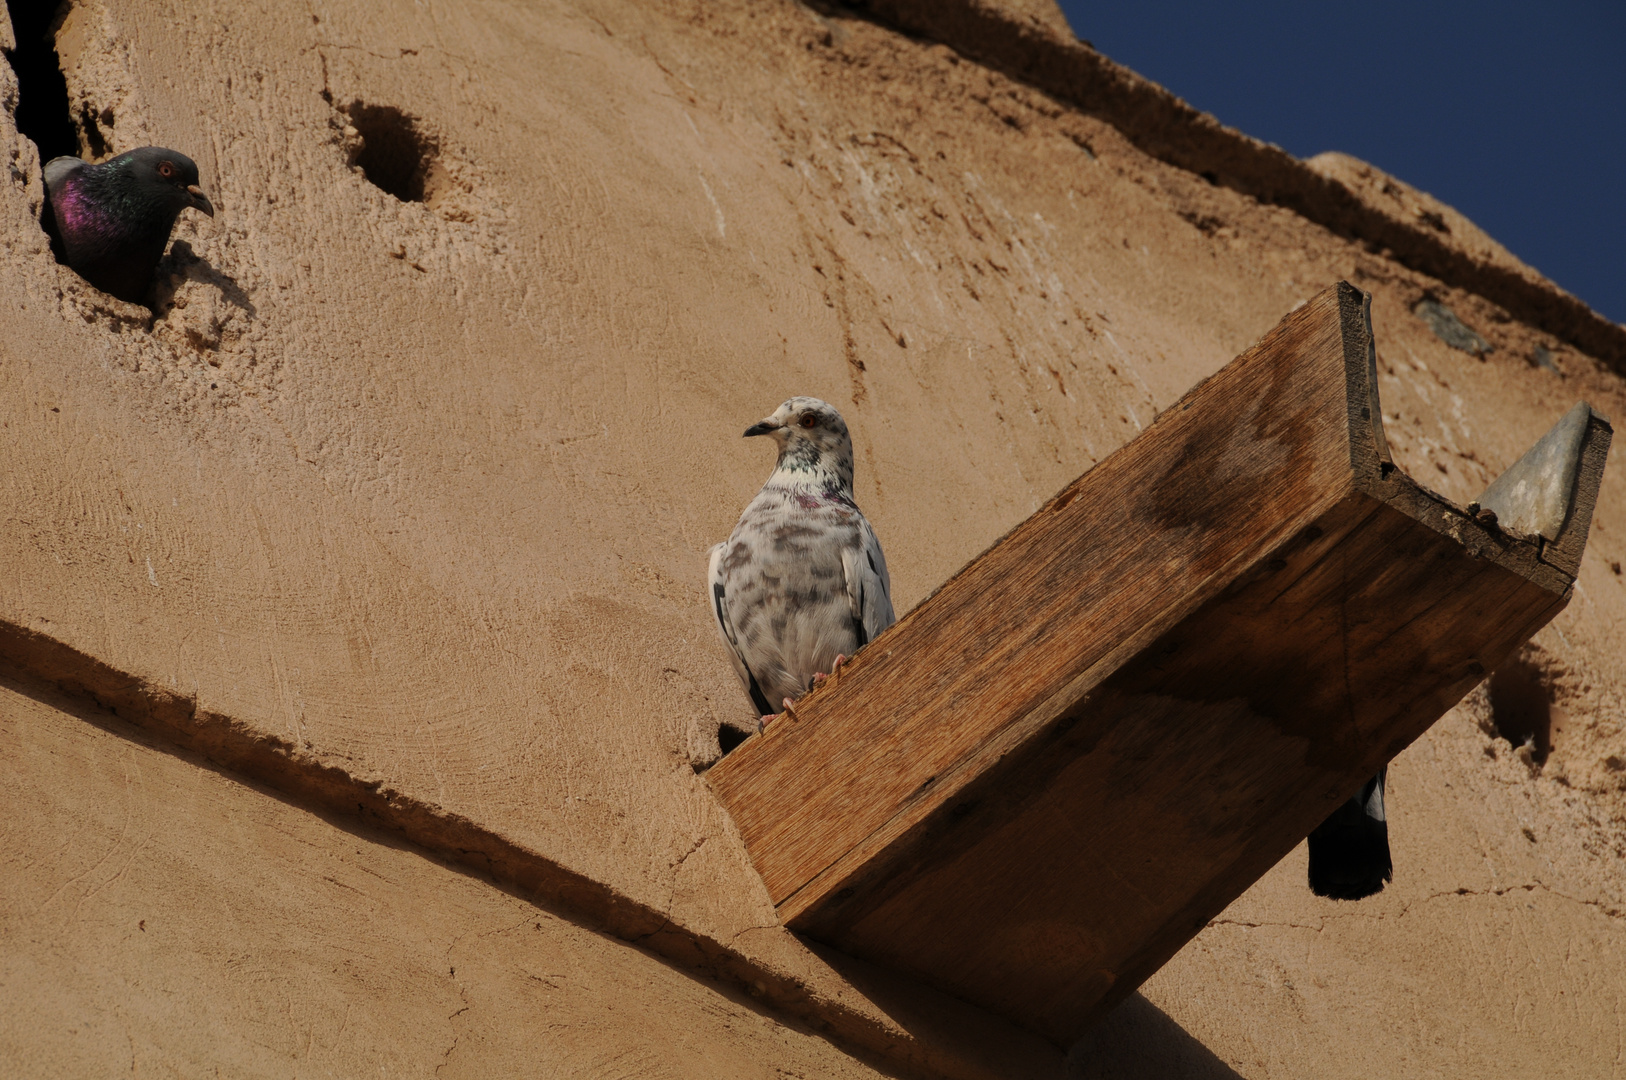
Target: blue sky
x,y
1513,113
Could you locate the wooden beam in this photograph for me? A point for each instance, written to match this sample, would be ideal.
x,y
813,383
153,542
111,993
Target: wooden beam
x,y
1044,780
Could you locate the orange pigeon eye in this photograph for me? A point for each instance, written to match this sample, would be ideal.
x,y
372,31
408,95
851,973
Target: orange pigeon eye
x,y
166,170
809,420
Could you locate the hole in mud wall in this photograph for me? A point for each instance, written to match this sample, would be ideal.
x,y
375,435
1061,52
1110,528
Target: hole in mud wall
x,y
728,738
43,112
1521,705
394,155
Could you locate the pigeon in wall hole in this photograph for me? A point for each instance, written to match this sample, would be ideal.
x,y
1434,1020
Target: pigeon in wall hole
x,y
801,584
114,219
1349,852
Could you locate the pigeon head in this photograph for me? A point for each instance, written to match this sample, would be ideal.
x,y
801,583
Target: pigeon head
x,y
155,181
114,219
814,447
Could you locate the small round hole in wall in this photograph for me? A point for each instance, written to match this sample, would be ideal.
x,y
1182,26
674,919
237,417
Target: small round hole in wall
x,y
729,737
394,152
1521,704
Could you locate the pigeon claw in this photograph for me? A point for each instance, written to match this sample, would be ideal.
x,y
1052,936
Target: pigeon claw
x,y
835,669
790,711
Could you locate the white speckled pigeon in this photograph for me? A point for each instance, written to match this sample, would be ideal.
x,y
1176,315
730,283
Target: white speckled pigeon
x,y
114,219
801,584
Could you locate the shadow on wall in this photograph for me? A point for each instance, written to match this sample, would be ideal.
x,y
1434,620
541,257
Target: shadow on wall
x,y
1139,1041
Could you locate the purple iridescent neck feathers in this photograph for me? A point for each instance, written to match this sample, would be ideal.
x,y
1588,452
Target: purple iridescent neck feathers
x,y
114,219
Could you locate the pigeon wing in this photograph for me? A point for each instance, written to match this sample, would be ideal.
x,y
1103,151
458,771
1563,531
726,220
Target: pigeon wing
x,y
869,587
725,627
59,169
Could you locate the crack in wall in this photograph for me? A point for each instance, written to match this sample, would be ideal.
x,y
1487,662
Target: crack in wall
x,y
1322,921
457,1035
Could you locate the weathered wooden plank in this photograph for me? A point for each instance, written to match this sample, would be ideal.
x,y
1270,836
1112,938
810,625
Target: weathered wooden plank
x,y
1043,780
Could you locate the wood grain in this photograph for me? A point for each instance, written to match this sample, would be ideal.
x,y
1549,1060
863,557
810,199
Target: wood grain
x,y
1046,778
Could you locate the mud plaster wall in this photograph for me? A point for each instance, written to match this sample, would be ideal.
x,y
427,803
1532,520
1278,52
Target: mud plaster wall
x,y
403,506
196,924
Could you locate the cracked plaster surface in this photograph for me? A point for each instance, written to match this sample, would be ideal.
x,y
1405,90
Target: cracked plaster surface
x,y
431,508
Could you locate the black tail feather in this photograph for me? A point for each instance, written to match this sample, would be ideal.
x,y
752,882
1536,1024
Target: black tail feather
x,y
1349,852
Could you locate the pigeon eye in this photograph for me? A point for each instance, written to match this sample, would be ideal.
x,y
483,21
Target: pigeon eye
x,y
166,170
809,420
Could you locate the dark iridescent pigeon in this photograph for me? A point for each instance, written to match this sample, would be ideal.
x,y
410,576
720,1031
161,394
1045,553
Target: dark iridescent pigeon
x,y
1349,852
801,584
114,219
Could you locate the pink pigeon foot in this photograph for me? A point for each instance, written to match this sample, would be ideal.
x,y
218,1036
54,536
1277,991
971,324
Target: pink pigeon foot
x,y
789,711
835,669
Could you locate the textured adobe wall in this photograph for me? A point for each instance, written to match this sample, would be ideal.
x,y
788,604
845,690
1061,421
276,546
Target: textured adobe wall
x,y
161,919
401,508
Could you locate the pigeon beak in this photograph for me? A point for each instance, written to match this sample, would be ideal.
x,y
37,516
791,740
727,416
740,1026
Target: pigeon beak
x,y
762,427
200,200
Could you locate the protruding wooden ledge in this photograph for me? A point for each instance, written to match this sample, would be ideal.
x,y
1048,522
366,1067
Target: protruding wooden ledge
x,y
1042,782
